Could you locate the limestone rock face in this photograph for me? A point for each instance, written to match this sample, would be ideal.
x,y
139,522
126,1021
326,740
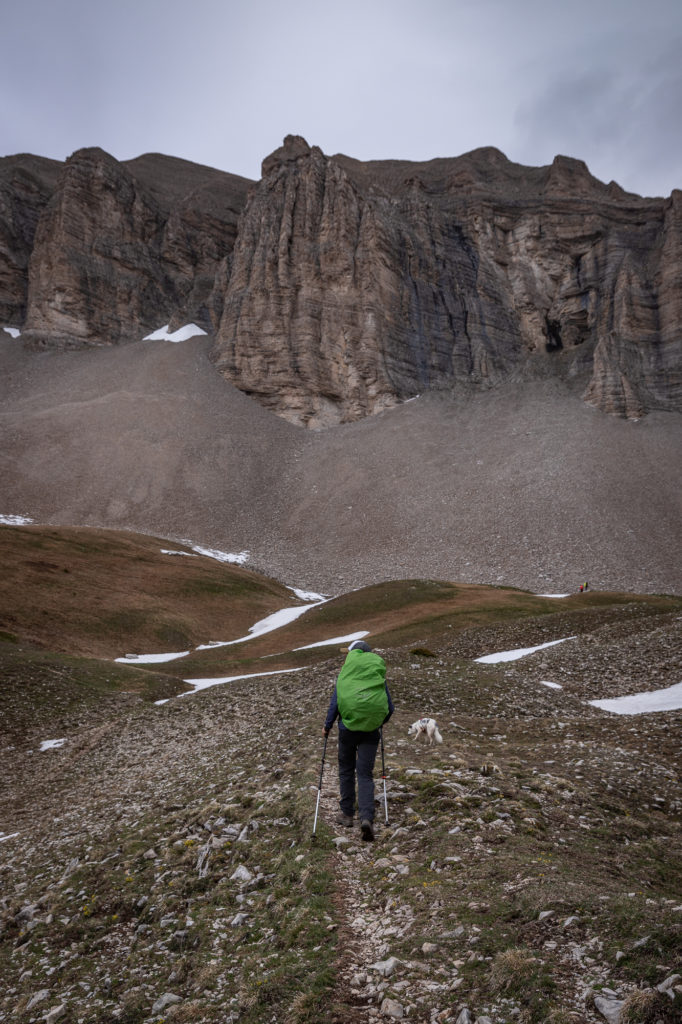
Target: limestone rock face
x,y
26,184
335,288
343,300
355,286
95,254
122,249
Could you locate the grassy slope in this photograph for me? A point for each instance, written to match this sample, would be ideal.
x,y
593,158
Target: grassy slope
x,y
553,803
105,593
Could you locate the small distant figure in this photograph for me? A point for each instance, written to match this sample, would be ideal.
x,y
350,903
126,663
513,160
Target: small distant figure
x,y
582,587
585,585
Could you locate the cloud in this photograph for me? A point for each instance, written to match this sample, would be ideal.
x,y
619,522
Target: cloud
x,y
222,81
618,117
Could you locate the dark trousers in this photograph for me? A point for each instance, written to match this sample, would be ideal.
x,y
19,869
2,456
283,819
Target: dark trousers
x,y
357,753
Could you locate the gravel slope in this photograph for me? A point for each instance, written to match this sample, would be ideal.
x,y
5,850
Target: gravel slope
x,y
522,486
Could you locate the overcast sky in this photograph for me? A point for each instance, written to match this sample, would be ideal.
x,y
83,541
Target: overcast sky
x,y
221,82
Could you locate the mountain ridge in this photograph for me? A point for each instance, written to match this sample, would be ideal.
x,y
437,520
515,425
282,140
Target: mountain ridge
x,y
334,288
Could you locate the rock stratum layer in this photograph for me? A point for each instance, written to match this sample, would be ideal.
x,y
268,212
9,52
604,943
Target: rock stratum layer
x,y
334,289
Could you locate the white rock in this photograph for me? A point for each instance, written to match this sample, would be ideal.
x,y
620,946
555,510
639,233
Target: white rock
x,y
242,874
167,999
570,921
392,1008
429,947
464,1016
150,855
238,920
37,998
669,983
545,914
609,1008
386,967
55,1013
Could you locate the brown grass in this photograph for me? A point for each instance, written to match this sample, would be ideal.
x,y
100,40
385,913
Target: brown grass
x,y
105,593
512,968
646,1006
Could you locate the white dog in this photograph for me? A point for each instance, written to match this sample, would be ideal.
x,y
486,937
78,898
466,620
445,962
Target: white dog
x,y
427,727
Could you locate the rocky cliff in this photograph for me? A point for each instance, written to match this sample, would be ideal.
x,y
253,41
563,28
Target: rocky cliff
x,y
118,248
335,288
354,286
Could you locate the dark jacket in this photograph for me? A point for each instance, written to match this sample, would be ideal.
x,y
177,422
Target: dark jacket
x,y
333,712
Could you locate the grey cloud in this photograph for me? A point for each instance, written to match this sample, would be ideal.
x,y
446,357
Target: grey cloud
x,y
222,81
620,118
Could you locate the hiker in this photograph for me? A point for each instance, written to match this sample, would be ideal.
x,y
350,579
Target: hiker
x,y
362,704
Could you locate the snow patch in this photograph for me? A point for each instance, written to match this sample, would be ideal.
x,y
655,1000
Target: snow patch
x,y
551,595
204,684
182,334
267,625
52,744
222,556
336,640
669,699
187,554
308,595
521,652
552,686
15,520
4,838
15,333
151,659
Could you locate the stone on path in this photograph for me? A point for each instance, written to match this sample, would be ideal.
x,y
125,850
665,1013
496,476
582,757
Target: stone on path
x,y
167,999
667,986
386,967
242,874
392,1008
609,1008
37,998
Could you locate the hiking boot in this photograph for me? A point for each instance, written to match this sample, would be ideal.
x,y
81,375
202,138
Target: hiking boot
x,y
367,830
343,819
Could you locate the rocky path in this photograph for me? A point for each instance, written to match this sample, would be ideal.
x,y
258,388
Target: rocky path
x,y
164,869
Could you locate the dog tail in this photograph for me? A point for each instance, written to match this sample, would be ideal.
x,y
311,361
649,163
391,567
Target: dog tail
x,y
437,736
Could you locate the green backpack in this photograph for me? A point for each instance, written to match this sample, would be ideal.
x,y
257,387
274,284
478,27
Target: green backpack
x,y
361,691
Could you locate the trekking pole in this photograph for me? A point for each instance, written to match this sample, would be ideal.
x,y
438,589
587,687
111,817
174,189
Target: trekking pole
x,y
319,788
383,774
